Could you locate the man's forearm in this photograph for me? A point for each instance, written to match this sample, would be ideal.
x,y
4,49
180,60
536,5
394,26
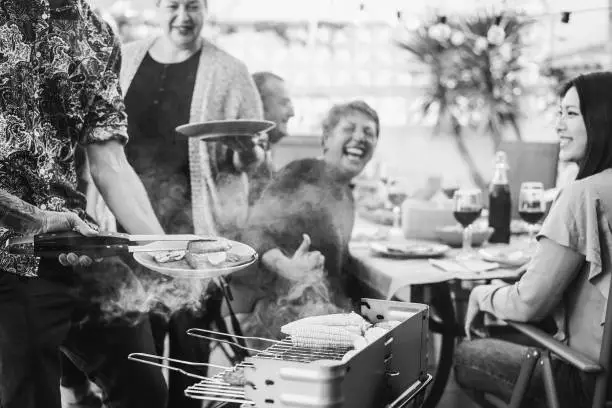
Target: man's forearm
x,y
19,216
127,198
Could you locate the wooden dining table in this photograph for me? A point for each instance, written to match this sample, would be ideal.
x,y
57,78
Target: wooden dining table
x,y
417,280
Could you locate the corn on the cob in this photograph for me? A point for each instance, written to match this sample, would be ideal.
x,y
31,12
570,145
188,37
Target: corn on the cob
x,y
360,343
336,319
350,321
359,330
388,324
316,336
349,354
374,333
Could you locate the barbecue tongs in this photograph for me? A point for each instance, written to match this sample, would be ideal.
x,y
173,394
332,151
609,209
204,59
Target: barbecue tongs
x,y
103,245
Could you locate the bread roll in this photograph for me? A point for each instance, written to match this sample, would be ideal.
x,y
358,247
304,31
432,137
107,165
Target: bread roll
x,y
203,246
202,254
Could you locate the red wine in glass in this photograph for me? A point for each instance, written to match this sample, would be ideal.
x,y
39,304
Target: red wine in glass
x,y
531,217
397,198
466,218
450,191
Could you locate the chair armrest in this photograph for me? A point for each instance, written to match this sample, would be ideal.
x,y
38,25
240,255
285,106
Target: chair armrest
x,y
573,357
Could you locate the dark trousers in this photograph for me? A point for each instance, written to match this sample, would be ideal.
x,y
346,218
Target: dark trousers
x,y
185,347
38,317
492,366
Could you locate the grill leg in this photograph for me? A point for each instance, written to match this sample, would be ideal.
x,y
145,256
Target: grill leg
x,y
443,304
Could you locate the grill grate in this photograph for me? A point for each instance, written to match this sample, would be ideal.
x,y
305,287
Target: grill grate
x,y
286,351
217,389
220,390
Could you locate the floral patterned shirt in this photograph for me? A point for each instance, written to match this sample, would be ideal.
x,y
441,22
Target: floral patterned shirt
x,y
58,88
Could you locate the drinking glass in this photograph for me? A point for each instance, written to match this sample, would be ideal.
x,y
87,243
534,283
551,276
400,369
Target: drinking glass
x,y
396,194
449,186
531,206
467,206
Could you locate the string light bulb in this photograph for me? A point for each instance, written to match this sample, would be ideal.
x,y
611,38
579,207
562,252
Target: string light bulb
x,y
440,31
565,17
496,34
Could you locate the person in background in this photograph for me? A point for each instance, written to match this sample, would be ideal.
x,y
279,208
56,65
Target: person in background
x,y
302,225
278,108
574,253
47,110
170,80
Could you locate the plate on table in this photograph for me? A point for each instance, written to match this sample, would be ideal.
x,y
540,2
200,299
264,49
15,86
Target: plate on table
x,y
364,236
518,227
505,256
239,257
409,250
380,216
220,129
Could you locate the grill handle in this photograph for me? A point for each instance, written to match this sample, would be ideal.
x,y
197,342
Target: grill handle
x,y
415,389
148,359
215,336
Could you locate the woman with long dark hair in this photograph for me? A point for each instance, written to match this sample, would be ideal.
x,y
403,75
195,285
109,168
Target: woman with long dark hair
x,y
569,276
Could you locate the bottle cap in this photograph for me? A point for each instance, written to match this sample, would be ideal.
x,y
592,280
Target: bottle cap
x,y
501,156
501,159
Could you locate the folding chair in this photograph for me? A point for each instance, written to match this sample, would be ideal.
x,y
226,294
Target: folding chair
x,y
549,347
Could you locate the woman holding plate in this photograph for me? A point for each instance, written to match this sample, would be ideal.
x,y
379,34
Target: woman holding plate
x,y
170,80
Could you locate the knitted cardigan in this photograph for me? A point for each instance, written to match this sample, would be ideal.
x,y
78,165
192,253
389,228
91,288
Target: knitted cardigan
x,y
223,89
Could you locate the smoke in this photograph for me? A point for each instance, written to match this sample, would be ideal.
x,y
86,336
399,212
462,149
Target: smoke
x,y
304,199
125,293
287,302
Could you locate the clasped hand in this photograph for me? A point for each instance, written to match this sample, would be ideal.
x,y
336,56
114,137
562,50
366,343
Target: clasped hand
x,y
60,221
474,316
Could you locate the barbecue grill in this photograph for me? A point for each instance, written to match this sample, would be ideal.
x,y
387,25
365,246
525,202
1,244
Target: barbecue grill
x,y
390,372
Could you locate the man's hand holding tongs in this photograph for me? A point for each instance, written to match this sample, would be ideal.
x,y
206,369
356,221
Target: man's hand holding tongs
x,y
56,221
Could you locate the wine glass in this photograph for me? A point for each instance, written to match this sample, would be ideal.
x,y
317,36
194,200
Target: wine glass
x,y
396,194
449,186
531,206
467,206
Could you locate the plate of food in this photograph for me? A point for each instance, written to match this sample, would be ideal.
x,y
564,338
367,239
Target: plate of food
x,y
220,129
409,250
505,256
202,259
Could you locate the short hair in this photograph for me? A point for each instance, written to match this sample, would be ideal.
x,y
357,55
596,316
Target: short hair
x,y
340,110
205,3
595,95
261,79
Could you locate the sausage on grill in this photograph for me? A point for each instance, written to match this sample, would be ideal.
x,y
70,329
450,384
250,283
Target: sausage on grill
x,y
235,377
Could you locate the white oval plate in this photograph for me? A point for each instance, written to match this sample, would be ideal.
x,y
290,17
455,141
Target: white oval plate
x,y
505,256
409,250
219,129
181,269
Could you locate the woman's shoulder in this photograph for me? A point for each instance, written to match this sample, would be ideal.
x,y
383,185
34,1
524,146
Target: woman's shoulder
x,y
586,195
216,55
131,47
592,187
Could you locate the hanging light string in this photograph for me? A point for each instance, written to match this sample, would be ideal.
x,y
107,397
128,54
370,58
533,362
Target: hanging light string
x,y
564,15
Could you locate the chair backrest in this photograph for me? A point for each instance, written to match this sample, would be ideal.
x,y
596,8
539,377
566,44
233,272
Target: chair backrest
x,y
530,161
603,388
